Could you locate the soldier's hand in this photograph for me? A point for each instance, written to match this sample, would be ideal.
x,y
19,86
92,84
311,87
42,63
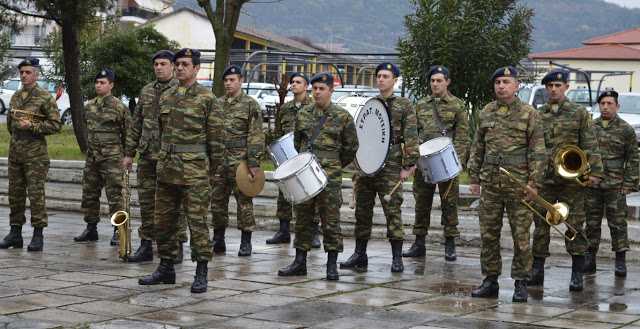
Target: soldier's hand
x,y
527,196
475,189
353,177
127,163
24,125
404,175
625,191
254,171
593,181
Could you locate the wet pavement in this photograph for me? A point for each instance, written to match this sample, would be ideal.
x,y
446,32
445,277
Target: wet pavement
x,y
85,285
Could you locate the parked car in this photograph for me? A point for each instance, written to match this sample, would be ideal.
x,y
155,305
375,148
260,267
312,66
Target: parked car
x,y
359,91
534,95
10,86
629,111
581,96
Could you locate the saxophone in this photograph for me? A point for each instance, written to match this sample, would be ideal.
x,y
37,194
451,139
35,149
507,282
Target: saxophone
x,y
121,220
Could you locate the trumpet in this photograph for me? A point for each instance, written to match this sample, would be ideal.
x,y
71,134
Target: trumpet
x,y
28,116
571,163
556,213
122,221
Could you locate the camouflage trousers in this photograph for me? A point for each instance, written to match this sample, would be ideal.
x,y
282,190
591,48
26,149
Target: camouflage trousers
x,y
327,205
573,195
423,193
284,211
493,200
107,173
609,201
380,184
27,178
146,174
224,183
194,201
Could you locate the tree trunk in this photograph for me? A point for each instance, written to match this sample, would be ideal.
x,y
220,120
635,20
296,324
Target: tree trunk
x,y
72,78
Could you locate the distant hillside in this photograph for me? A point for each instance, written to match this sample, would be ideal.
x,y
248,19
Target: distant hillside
x,y
376,25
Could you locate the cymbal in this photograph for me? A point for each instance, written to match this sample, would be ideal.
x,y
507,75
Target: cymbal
x,y
247,184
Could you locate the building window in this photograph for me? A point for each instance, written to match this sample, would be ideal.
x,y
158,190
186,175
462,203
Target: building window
x,y
580,78
36,35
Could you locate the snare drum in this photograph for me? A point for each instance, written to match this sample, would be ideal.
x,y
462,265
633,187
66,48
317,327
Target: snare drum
x,y
438,160
282,149
300,178
374,133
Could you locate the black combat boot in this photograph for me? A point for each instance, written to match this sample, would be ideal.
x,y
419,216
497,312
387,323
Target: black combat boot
x,y
200,279
417,248
590,262
520,294
621,263
332,268
282,236
115,238
450,248
13,239
298,267
315,242
537,271
488,288
178,259
245,244
37,241
89,234
396,252
577,273
359,257
144,252
163,274
218,241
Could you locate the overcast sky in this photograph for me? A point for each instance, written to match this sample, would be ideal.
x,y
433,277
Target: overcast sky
x,y
626,3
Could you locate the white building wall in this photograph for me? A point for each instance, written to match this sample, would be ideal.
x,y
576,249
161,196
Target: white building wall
x,y
618,83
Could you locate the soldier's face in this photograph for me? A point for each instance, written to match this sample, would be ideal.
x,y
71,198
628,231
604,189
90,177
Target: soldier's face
x,y
608,108
322,94
103,87
163,69
28,76
186,72
556,90
299,85
232,84
439,84
505,88
386,80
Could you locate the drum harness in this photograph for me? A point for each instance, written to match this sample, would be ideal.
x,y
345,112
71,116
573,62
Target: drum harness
x,y
309,142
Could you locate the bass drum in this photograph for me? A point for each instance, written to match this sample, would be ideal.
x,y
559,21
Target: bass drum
x,y
373,127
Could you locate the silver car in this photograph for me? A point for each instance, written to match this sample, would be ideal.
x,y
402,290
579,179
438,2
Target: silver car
x,y
10,86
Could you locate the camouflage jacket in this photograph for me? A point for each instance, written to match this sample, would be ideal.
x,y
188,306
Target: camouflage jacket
x,y
193,117
288,113
30,145
619,150
404,130
243,122
454,117
145,118
338,134
569,125
107,121
511,130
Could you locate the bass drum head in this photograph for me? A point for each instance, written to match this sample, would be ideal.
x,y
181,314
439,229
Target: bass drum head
x,y
434,146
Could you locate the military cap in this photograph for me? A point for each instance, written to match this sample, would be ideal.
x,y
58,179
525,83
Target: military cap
x,y
324,77
232,69
104,73
556,75
300,75
389,67
608,93
507,71
29,61
163,54
438,69
186,52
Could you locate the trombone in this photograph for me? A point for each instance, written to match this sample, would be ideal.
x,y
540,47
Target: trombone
x,y
571,163
29,116
556,213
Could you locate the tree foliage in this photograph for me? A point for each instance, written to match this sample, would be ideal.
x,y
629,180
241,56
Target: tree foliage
x,y
6,67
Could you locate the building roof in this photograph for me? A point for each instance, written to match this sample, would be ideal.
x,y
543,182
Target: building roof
x,y
629,37
612,52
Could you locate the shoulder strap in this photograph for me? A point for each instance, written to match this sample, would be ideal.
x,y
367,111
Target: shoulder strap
x,y
317,130
440,125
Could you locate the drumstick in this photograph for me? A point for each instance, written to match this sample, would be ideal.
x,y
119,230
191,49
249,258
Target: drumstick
x,y
446,193
352,204
388,196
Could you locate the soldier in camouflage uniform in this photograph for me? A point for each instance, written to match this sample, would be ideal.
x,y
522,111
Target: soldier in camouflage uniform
x,y
508,136
619,150
192,144
245,141
397,167
455,121
335,146
144,137
28,157
107,120
288,113
564,123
